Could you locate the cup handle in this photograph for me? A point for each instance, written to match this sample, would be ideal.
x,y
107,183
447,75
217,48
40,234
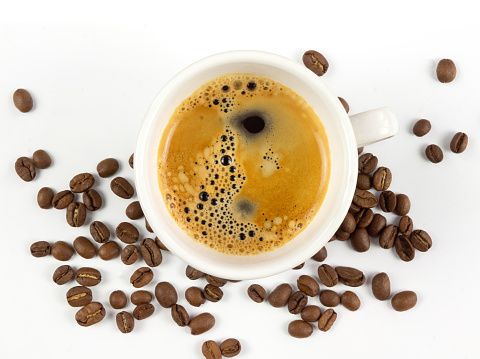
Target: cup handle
x,y
374,125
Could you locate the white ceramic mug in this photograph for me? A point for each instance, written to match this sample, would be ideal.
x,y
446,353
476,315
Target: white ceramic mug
x,y
344,133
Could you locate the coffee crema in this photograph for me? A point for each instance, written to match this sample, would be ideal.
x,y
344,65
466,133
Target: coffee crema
x,y
243,164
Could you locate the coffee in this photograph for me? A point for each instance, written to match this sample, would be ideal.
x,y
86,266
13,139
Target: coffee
x,y
243,164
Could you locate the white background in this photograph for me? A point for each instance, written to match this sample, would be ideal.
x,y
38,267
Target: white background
x,y
92,85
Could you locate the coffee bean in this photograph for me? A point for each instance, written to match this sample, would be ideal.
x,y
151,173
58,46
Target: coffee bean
x,y
388,236
280,295
308,285
344,104
422,127
360,240
125,322
127,233
141,297
311,313
109,250
353,208
403,205
212,293
63,274
300,266
134,211
90,314
92,200
84,247
99,232
62,199
382,178
342,235
350,276
360,150
194,296
201,323
350,301
367,163
459,142
122,188
321,255
349,223
130,160
192,273
256,293
300,329
297,302
129,254
364,199
147,226
22,100
81,182
76,214
446,71
166,294
328,276
230,347
79,296
381,286
44,198
211,350
62,251
88,277
405,225
160,244
143,311
387,201
141,277
404,248
315,62
180,315
150,252
25,169
434,153
363,218
326,320
216,281
108,167
40,249
118,299
329,298
364,181
378,224
421,240
404,301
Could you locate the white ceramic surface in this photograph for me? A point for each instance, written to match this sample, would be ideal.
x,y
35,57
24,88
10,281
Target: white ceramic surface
x,y
343,151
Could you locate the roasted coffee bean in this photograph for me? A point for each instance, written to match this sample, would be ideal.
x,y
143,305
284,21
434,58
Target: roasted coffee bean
x,y
382,178
118,299
143,311
342,235
378,224
129,254
141,277
108,167
99,232
63,274
62,251
150,252
421,240
25,169
280,295
434,153
326,320
166,294
134,211
300,329
363,218
404,301
88,277
300,266
422,127
90,314
350,301
364,181
109,250
256,293
349,223
459,142
147,226
308,285
79,296
212,293
328,276
311,313
446,71
360,150
321,255
403,205
41,159
81,182
404,248
216,281
360,240
353,208
316,62
122,188
125,322
40,249
211,350
405,225
387,201
344,104
388,236
350,276
364,199
92,200
367,163
44,198
329,298
130,160
76,214
192,273
381,286
194,296
141,297
160,244
230,348
22,100
62,199
201,323
297,302
127,233
180,315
